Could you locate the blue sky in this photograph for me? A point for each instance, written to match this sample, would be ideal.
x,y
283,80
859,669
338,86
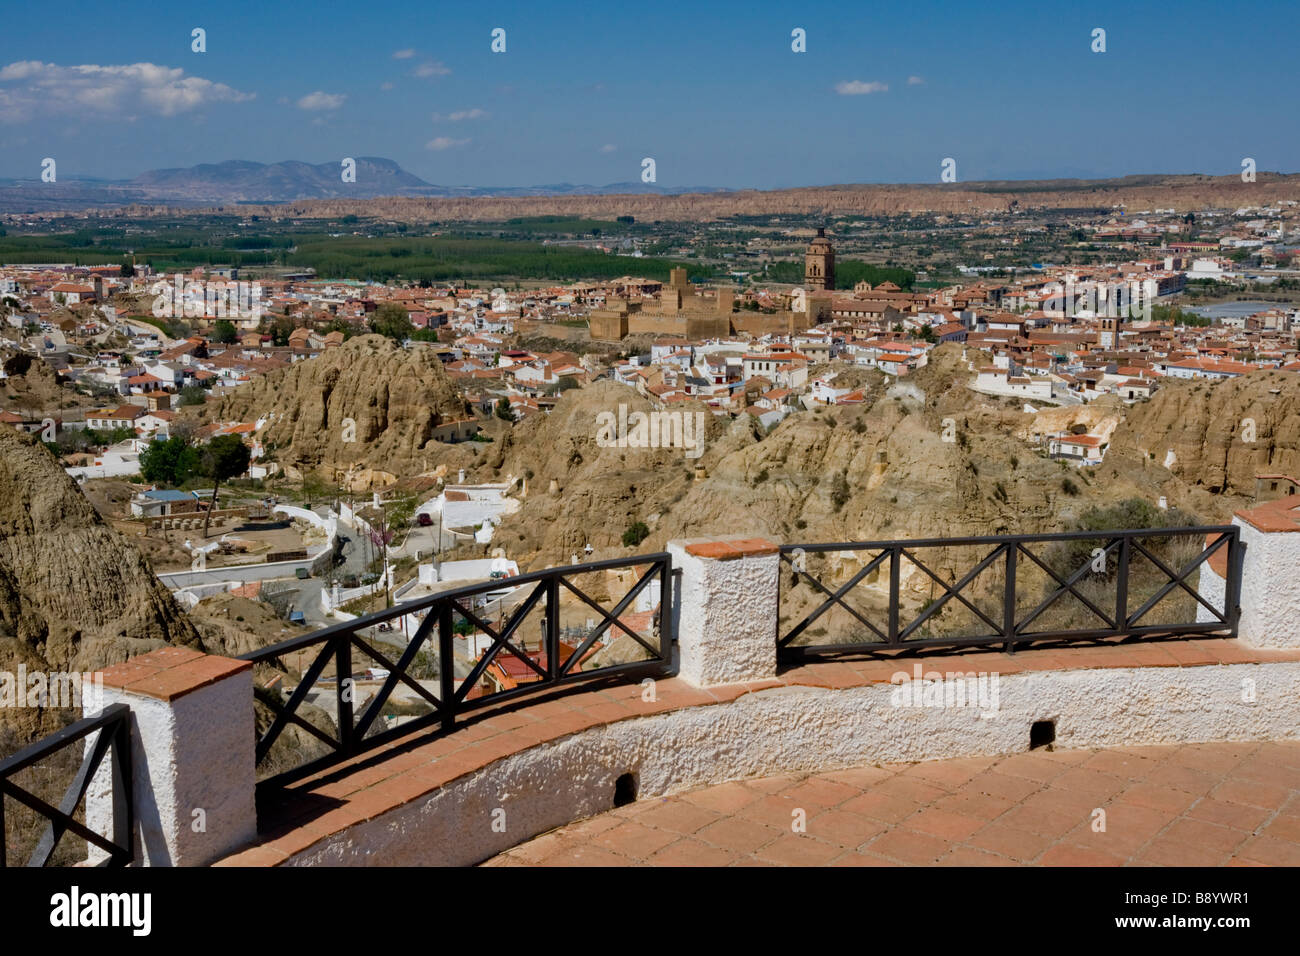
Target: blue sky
x,y
715,95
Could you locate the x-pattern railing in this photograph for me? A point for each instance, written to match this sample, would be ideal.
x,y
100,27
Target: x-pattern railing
x,y
112,740
551,666
1005,553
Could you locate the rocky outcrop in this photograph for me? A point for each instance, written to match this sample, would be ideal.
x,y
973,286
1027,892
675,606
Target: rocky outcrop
x,y
1215,438
75,594
368,404
922,458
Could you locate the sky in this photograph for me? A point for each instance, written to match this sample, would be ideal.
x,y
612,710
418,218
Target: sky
x,y
713,92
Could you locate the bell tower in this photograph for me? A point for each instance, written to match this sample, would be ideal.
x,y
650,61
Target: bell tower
x,y
819,264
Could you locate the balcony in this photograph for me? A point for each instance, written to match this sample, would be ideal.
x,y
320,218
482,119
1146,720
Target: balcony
x,y
724,663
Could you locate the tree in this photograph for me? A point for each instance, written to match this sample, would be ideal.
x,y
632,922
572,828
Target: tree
x,y
225,457
127,270
635,534
280,329
224,332
504,411
169,462
193,395
393,321
314,487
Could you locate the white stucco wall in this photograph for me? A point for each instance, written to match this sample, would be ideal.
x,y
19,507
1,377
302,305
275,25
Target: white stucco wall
x,y
727,612
1270,587
195,753
792,729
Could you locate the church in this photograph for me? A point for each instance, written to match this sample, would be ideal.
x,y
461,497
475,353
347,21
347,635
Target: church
x,y
819,264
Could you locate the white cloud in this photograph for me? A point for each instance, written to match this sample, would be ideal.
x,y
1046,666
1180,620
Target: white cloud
x,y
385,86
444,142
608,148
322,101
32,87
459,115
858,88
432,68
915,81
403,54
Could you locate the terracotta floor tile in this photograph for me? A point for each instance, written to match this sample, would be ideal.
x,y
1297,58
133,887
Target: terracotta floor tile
x,y
736,833
944,824
1237,815
1012,842
1067,855
1163,851
909,846
797,849
848,830
678,816
1269,851
724,798
633,840
689,852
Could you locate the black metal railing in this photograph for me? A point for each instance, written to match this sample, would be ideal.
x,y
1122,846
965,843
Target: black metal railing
x,y
114,740
444,681
1007,590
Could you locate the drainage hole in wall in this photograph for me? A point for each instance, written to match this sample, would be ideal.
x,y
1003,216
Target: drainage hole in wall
x,y
1042,734
625,790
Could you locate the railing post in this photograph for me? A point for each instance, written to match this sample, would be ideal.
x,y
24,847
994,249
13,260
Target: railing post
x,y
123,804
344,689
667,636
553,626
1009,597
1232,593
446,665
895,572
1121,584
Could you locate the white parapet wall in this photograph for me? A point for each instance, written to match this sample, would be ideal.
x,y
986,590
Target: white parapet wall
x,y
802,730
727,609
1270,575
192,757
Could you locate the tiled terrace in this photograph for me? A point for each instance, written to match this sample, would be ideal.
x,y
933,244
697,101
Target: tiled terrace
x,y
373,784
1235,804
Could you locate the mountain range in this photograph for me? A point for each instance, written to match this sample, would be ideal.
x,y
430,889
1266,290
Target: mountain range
x,y
244,181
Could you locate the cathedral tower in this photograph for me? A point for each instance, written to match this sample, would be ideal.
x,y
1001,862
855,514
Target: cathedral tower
x,y
819,264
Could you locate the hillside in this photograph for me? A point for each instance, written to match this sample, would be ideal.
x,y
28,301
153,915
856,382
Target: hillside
x,y
75,595
883,470
879,470
1206,428
1182,193
394,398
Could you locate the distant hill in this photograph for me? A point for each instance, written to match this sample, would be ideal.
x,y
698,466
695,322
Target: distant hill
x,y
240,180
243,181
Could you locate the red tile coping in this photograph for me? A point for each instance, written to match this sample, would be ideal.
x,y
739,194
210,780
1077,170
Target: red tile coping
x,y
732,548
171,672
1218,561
372,784
1273,516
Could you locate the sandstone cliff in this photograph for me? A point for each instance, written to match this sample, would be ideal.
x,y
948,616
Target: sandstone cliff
x,y
876,471
392,397
1214,439
75,595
